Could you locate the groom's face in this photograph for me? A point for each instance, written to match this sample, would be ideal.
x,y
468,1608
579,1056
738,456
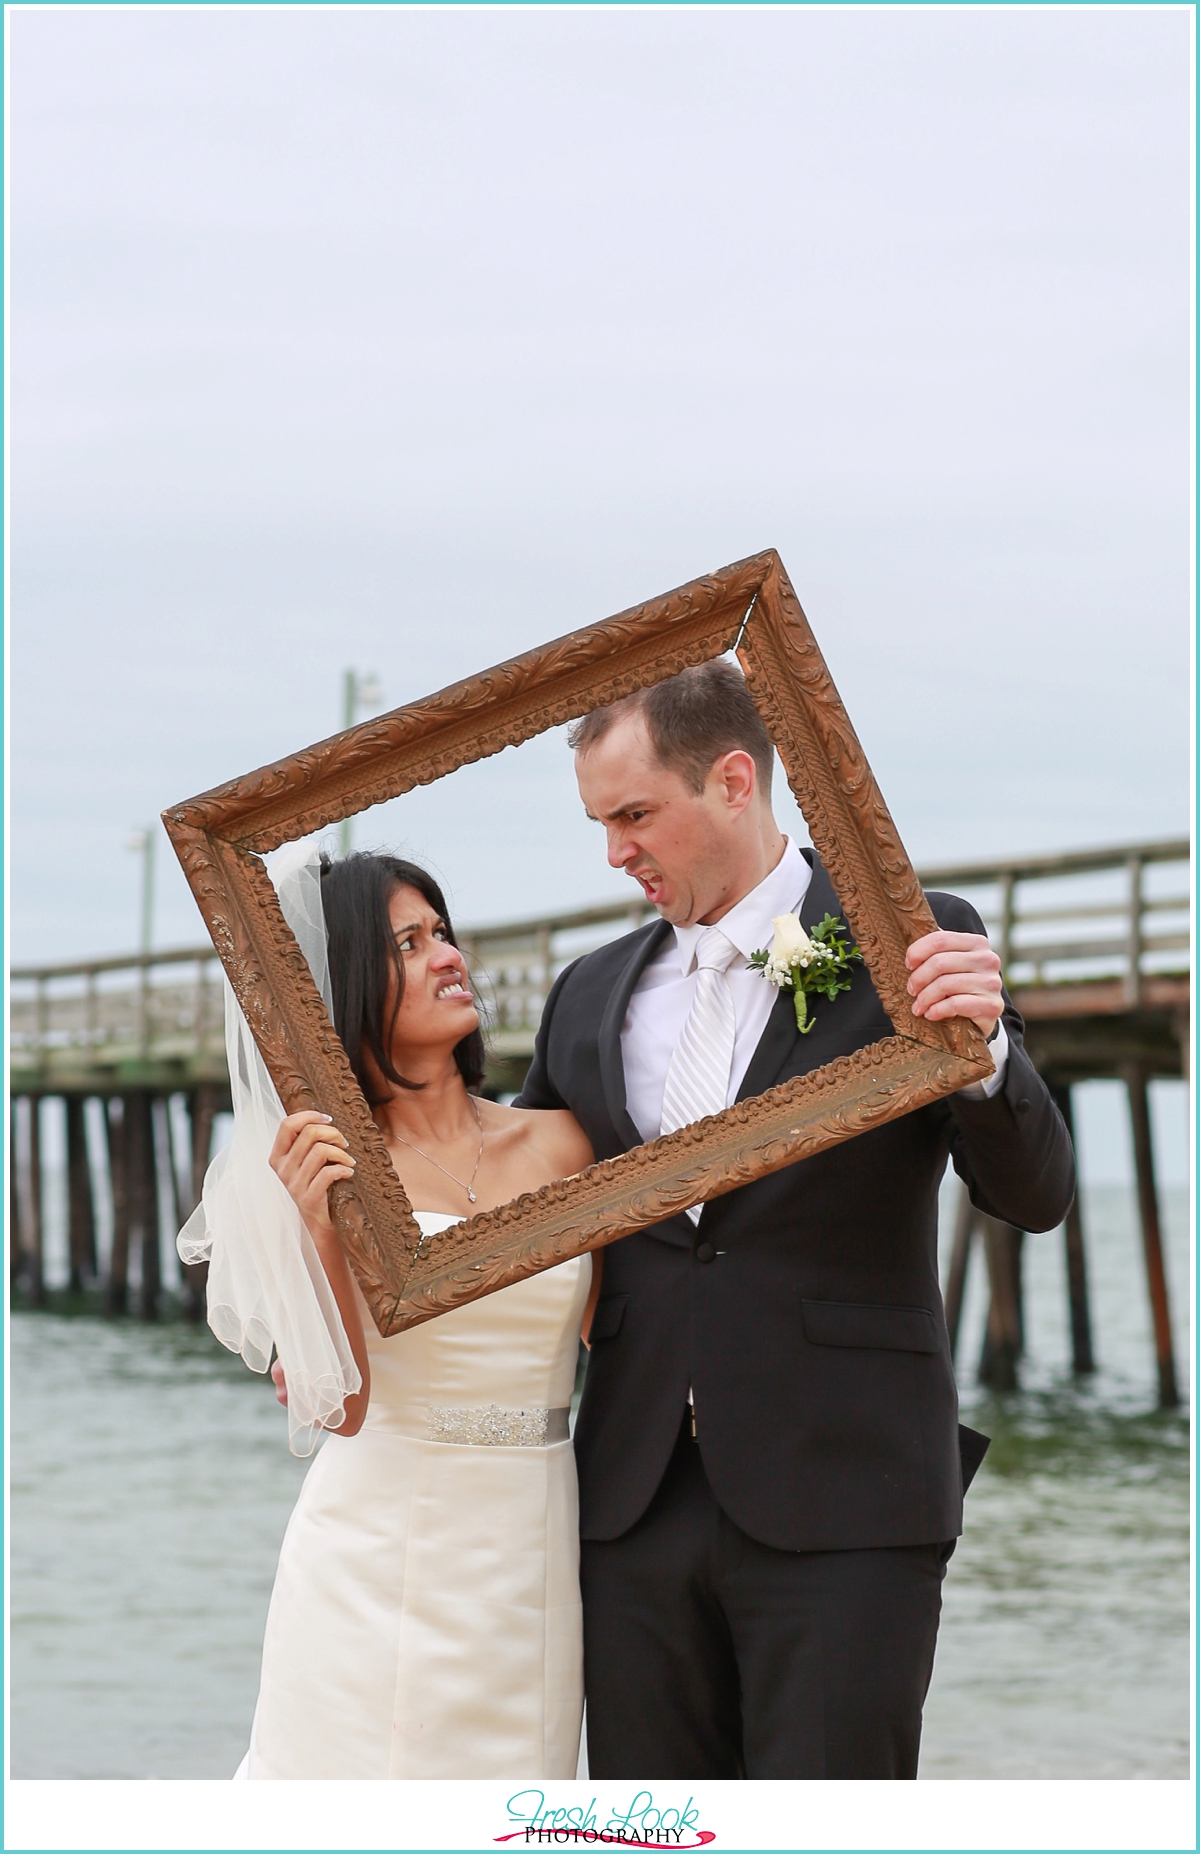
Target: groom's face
x,y
681,846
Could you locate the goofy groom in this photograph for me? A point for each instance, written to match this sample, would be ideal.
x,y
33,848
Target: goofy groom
x,y
770,1465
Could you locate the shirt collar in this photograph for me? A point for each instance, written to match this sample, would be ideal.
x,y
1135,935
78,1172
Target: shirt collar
x,y
748,924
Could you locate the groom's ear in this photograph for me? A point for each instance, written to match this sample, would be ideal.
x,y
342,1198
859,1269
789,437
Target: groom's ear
x,y
733,781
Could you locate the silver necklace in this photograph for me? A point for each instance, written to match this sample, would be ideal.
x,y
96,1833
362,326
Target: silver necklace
x,y
441,1168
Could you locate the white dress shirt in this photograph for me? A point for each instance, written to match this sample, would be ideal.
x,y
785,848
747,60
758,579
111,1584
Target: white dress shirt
x,y
663,997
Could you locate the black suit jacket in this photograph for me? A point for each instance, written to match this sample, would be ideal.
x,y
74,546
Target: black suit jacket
x,y
804,1310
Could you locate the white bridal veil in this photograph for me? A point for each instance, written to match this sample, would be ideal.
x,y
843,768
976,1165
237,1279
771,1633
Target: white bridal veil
x,y
266,1285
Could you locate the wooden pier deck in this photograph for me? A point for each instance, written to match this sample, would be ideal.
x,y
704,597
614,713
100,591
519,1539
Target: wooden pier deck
x,y
1095,946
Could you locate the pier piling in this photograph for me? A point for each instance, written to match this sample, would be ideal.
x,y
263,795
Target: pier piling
x,y
143,1198
1082,1356
1156,1277
81,1219
15,1245
202,1112
116,1294
1004,1335
956,1280
35,1274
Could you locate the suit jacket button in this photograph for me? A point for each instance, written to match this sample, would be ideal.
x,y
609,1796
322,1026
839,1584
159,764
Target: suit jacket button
x,y
1023,1105
705,1252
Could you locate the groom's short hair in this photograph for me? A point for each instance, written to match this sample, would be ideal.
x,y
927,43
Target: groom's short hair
x,y
692,719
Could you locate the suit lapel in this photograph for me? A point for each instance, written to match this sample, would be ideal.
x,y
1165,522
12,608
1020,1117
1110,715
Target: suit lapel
x,y
612,1070
781,1041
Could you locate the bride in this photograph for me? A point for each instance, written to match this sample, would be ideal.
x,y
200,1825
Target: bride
x,y
425,1619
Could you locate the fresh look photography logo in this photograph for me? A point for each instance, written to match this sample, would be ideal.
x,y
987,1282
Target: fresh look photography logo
x,y
642,1823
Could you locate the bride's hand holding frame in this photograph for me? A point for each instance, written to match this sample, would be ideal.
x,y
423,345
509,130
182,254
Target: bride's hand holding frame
x,y
309,1155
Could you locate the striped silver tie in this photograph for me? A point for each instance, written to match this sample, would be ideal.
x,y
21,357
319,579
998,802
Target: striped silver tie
x,y
698,1078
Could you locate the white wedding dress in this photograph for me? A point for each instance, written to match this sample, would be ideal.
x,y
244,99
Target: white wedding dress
x,y
425,1620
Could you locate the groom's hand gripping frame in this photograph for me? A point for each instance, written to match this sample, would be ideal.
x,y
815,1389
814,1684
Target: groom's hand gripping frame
x,y
750,607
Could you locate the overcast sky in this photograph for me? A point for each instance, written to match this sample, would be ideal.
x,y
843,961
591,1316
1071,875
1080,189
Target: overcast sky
x,y
409,340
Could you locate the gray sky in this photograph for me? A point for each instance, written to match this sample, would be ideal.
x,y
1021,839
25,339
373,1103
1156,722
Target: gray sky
x,y
409,340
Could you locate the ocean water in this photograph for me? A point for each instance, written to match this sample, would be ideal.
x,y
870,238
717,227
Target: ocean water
x,y
1064,1649
151,1483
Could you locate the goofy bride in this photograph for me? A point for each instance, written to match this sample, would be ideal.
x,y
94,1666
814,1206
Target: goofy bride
x,y
425,1619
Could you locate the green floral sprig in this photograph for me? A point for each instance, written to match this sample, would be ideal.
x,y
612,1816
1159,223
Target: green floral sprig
x,y
804,963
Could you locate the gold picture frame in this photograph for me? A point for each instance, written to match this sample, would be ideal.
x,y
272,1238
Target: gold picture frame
x,y
221,837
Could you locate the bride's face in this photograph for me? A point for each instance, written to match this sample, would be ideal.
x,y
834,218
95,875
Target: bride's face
x,y
437,1009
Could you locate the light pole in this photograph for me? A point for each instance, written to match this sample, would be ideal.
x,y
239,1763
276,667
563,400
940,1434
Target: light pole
x,y
357,692
142,840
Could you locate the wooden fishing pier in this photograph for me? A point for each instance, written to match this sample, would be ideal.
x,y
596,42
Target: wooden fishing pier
x,y
1095,946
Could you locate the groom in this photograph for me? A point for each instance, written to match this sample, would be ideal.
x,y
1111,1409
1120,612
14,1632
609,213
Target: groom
x,y
770,1473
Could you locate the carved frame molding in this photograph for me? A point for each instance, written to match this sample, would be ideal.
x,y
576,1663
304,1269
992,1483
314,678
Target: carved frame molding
x,y
221,837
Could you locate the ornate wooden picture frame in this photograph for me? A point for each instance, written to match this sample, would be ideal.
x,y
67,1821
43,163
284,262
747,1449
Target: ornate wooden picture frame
x,y
221,837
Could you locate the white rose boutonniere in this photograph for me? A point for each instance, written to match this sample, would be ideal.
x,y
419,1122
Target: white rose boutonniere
x,y
804,963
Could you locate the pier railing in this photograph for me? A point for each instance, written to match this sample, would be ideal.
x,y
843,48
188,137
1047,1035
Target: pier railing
x,y
117,1021
1113,921
1119,916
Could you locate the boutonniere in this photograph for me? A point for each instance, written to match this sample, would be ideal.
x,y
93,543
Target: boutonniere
x,y
801,963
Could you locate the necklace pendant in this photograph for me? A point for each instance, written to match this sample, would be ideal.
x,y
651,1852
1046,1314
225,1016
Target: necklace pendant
x,y
471,1195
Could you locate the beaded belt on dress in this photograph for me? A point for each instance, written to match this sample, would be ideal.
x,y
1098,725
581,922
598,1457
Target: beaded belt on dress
x,y
488,1425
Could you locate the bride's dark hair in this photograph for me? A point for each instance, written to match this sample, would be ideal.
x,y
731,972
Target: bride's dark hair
x,y
356,893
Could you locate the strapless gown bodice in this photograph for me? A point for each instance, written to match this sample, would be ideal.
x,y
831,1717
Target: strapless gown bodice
x,y
513,1353
425,1619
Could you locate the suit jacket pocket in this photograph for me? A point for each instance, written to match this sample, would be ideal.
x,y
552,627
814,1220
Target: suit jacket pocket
x,y
606,1320
972,1447
887,1329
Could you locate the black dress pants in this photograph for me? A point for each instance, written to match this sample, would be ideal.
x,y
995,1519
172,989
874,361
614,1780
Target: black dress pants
x,y
708,1654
